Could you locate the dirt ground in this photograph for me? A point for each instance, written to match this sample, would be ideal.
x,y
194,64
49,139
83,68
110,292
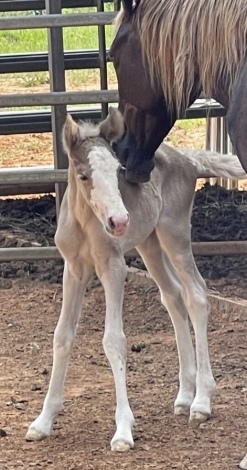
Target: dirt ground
x,y
81,435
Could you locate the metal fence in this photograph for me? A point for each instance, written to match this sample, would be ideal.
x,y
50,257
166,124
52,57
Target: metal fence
x,y
58,98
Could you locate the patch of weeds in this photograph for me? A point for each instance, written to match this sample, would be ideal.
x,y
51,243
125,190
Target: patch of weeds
x,y
35,79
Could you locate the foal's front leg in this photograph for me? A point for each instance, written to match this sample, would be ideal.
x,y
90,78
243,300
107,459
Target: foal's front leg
x,y
73,291
114,343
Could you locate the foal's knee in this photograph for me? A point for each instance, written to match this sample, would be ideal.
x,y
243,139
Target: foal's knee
x,y
63,341
114,344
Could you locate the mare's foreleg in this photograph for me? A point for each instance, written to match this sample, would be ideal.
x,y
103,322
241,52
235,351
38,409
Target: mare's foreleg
x,y
112,276
165,276
74,286
237,118
177,244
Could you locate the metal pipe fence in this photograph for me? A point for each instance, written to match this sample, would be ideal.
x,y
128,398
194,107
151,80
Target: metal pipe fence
x,y
52,253
56,21
35,5
218,140
58,98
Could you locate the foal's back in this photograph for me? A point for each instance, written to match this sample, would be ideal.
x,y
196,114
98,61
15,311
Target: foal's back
x,y
169,193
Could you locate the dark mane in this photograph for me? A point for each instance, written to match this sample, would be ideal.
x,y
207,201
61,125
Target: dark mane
x,y
201,37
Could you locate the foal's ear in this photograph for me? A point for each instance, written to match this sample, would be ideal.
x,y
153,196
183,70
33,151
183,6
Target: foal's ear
x,y
70,134
112,128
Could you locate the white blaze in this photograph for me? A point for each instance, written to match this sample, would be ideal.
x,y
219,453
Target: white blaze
x,y
105,196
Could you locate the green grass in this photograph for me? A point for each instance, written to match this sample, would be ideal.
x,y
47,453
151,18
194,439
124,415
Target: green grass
x,y
33,40
188,124
77,38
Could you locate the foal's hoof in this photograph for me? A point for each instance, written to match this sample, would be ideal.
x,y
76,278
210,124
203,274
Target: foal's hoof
x,y
34,435
243,463
120,446
196,418
181,410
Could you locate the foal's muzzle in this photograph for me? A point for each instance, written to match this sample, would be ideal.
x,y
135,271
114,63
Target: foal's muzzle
x,y
116,226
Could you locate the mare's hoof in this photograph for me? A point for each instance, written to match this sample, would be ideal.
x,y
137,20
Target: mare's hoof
x,y
181,410
120,446
34,435
243,463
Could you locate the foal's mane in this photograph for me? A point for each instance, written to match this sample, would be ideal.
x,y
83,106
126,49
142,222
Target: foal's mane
x,y
182,39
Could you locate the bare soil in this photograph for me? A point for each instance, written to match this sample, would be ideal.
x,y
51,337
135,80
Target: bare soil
x,y
81,435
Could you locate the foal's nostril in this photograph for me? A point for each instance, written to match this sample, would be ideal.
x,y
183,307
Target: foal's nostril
x,y
111,223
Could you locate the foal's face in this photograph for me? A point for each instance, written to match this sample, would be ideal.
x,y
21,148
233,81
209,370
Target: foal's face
x,y
97,178
142,105
96,172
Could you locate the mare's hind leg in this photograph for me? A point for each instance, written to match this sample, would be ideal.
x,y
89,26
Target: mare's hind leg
x,y
112,273
176,242
164,274
74,286
236,118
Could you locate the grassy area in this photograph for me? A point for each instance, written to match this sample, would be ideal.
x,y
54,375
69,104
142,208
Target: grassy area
x,y
76,38
30,40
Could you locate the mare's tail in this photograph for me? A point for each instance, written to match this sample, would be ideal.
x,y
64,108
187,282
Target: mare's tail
x,y
211,164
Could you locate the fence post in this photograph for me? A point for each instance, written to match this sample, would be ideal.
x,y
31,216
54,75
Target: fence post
x,y
57,83
117,5
218,140
102,59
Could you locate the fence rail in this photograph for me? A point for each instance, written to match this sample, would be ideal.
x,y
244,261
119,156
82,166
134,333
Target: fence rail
x,y
33,121
38,61
29,122
26,5
52,253
56,21
58,99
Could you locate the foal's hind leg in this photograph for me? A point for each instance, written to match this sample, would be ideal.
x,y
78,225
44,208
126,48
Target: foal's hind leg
x,y
164,274
176,242
73,290
112,274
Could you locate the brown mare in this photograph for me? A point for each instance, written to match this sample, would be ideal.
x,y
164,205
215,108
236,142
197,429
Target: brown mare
x,y
165,53
102,217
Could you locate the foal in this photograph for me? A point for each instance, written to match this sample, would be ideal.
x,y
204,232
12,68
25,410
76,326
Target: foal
x,y
102,217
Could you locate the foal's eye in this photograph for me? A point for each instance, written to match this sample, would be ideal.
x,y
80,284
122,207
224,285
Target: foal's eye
x,y
83,177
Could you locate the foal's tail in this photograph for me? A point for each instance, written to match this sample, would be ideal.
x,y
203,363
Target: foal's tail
x,y
211,164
